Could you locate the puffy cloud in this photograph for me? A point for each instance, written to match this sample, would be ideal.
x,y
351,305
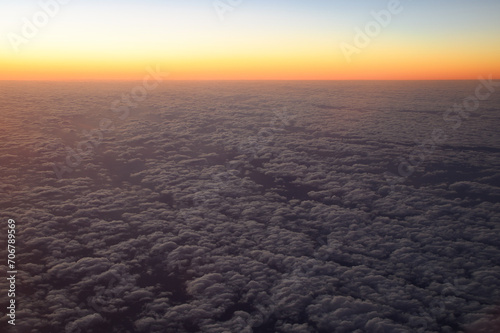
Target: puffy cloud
x,y
240,218
84,324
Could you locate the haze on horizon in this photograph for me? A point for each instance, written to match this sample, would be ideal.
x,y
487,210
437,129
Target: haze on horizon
x,y
249,40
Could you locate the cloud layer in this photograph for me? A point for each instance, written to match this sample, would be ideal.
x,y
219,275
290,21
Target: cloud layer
x,y
242,208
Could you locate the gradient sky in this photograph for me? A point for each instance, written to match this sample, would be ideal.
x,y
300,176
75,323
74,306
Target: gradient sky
x,y
271,39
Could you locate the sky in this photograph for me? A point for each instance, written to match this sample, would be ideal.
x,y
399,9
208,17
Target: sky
x,y
249,40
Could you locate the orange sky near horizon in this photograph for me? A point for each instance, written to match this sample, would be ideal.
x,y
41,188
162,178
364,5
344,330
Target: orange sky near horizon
x,y
267,69
90,42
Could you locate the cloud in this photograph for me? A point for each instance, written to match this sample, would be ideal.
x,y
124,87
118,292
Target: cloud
x,y
171,226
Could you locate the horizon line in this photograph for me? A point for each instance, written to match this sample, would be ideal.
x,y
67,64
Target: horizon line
x,y
228,80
